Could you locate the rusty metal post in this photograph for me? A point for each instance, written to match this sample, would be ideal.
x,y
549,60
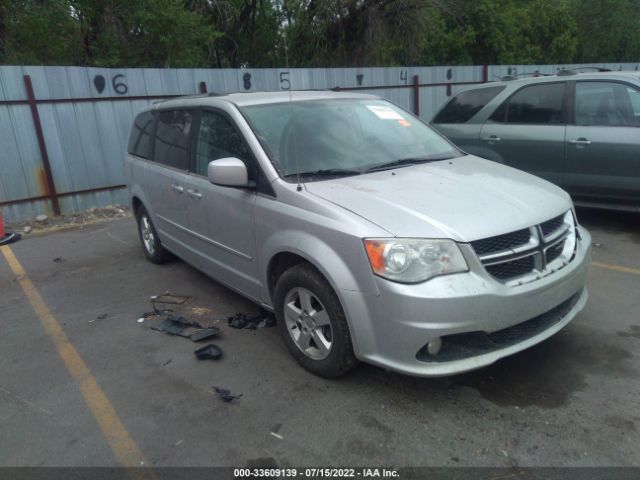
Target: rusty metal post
x,y
416,95
202,86
485,73
51,188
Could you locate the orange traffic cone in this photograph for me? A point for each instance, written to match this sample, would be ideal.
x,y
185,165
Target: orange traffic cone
x,y
6,237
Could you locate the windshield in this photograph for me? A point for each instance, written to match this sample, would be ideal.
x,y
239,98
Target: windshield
x,y
343,137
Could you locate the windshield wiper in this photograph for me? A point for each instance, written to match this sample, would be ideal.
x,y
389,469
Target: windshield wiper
x,y
401,162
327,172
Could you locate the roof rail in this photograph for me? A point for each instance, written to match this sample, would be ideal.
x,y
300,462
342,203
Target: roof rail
x,y
198,95
506,78
574,71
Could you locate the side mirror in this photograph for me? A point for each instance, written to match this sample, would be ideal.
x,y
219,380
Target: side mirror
x,y
228,172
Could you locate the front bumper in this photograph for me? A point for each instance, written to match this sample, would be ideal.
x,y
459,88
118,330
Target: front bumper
x,y
390,329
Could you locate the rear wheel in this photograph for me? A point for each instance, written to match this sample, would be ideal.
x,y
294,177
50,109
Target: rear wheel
x,y
312,323
153,249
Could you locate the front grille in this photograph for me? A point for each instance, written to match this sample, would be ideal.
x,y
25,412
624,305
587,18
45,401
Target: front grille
x,y
512,269
552,225
470,344
555,251
503,242
511,256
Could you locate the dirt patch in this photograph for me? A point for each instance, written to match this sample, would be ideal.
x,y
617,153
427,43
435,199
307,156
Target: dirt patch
x,y
43,224
633,331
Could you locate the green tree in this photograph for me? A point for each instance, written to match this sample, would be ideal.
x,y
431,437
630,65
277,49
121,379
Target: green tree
x,y
317,33
607,30
547,31
249,31
36,32
145,33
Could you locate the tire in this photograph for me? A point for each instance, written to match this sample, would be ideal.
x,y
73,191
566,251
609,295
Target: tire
x,y
151,246
309,314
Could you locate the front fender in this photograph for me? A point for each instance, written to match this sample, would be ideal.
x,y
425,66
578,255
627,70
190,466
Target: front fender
x,y
345,266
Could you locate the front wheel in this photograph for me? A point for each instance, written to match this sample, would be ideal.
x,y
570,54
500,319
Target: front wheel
x,y
312,323
153,249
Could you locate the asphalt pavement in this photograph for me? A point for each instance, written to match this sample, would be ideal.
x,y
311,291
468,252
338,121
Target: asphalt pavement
x,y
103,387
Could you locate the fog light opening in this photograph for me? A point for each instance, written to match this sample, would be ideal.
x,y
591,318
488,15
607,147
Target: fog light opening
x,y
434,346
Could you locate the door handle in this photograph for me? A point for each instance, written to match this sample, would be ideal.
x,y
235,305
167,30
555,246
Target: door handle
x,y
177,188
580,141
491,138
194,193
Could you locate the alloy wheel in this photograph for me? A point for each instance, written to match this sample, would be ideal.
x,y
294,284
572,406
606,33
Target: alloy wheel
x,y
147,235
308,323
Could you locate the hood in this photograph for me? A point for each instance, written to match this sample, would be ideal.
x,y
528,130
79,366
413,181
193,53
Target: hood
x,y
465,198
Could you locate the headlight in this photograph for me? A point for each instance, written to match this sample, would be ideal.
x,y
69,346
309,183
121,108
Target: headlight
x,y
409,260
570,242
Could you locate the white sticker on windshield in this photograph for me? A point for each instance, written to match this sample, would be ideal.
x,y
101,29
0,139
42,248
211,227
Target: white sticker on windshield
x,y
386,113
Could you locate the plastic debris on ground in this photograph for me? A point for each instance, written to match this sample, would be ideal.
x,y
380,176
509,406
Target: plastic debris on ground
x,y
209,352
204,333
241,320
168,321
9,237
170,298
182,327
226,395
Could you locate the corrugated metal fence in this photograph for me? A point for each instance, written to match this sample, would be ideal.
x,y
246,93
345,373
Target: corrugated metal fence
x,y
63,130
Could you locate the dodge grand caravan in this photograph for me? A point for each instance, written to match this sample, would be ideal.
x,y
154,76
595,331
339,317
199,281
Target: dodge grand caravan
x,y
369,235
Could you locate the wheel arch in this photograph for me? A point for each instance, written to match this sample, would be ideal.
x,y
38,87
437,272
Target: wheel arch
x,y
287,248
343,271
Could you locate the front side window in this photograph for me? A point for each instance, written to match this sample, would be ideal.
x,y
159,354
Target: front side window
x,y
607,104
218,138
533,105
141,132
465,105
342,134
173,138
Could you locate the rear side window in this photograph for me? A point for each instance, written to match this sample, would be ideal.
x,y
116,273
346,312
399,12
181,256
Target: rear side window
x,y
606,104
534,105
141,134
173,135
465,105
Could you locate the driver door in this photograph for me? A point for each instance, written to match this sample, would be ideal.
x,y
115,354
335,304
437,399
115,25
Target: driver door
x,y
221,219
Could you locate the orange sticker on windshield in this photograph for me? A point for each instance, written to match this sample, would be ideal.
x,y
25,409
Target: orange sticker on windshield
x,y
404,123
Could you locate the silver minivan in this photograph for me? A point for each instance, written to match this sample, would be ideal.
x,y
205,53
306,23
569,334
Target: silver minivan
x,y
369,235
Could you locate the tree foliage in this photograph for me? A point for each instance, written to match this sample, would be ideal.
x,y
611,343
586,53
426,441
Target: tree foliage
x,y
262,33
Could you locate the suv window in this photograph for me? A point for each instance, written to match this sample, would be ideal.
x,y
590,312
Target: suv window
x,y
218,138
535,104
606,104
172,138
140,138
465,105
634,95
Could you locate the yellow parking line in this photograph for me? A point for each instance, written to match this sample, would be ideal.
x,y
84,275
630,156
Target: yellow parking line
x,y
124,448
617,268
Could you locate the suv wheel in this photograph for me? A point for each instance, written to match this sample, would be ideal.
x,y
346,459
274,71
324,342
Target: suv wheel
x,y
153,249
312,323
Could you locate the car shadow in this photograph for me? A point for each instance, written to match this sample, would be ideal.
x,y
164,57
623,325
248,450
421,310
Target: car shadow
x,y
611,221
545,376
